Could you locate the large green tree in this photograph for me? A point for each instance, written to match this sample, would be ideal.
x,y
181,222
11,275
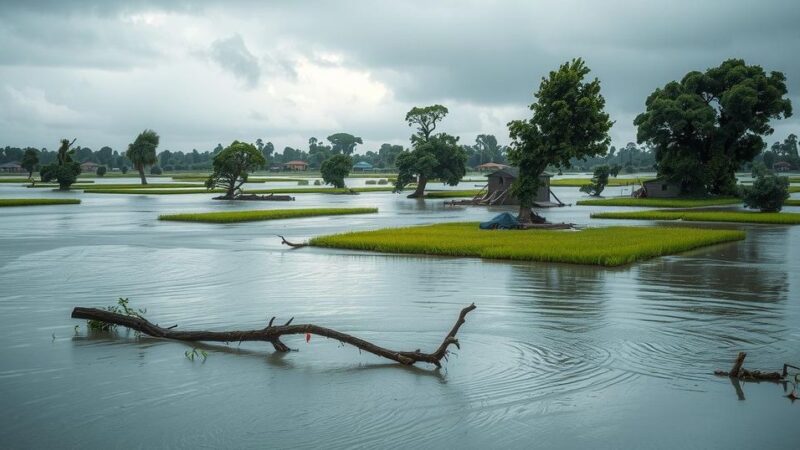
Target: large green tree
x,y
142,152
232,166
432,155
568,122
335,169
705,126
344,143
64,170
29,161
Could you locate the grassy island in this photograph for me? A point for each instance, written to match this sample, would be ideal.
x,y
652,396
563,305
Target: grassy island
x,y
661,202
37,201
452,194
612,246
705,216
263,214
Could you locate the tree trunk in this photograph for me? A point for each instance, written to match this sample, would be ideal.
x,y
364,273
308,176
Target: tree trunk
x,y
272,334
525,214
141,174
63,187
420,191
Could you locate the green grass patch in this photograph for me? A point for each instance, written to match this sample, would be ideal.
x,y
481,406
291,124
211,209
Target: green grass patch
x,y
612,246
14,180
268,214
705,216
452,194
578,182
37,201
661,202
793,189
152,191
792,202
84,185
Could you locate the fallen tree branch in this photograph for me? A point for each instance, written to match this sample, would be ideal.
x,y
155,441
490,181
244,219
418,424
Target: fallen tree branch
x,y
272,334
740,373
291,244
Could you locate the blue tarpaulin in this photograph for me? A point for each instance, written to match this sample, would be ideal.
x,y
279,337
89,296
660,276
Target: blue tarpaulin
x,y
505,221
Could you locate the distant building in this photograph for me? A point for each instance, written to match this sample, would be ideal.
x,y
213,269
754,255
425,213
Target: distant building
x,y
89,167
275,167
362,166
659,188
491,167
296,165
499,188
11,167
782,166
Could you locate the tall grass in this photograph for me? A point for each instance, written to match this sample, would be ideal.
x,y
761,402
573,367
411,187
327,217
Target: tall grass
x,y
661,202
578,182
452,194
705,216
151,191
792,202
611,246
267,214
37,201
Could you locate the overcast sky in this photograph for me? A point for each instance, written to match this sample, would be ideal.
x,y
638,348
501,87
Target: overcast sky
x,y
200,74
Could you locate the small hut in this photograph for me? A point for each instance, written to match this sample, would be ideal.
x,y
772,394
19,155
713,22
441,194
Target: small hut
x,y
490,166
362,166
296,165
781,166
11,167
498,188
659,188
89,167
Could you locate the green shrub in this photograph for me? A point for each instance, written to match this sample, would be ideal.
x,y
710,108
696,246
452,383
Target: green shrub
x,y
371,182
155,170
101,170
767,193
302,183
383,181
317,183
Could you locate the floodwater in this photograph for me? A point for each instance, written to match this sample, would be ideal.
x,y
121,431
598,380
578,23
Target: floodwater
x,y
555,356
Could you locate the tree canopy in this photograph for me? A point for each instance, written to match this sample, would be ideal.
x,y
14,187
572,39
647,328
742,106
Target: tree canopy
x,y
568,122
432,156
232,166
600,180
29,161
64,170
705,126
344,143
335,169
142,152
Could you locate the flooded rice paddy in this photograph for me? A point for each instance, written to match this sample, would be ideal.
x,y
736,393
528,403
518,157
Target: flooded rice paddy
x,y
555,355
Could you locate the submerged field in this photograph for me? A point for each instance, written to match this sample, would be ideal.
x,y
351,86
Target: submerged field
x,y
611,246
313,190
88,185
268,214
705,216
578,182
661,202
37,201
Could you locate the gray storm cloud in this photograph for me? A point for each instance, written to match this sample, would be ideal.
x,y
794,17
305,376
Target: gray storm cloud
x,y
285,71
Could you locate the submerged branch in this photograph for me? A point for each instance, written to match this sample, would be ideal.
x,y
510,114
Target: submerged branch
x,y
272,334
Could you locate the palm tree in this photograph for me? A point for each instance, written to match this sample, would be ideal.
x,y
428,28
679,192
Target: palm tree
x,y
142,152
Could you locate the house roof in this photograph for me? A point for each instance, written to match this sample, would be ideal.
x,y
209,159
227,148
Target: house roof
x,y
363,164
295,163
512,172
492,165
14,164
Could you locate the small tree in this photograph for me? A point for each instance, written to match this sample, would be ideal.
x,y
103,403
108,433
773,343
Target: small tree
x,y
600,180
29,161
568,122
344,143
232,166
432,156
767,193
101,171
156,170
123,169
335,169
63,170
142,152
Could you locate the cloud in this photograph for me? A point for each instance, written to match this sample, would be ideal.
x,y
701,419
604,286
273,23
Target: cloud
x,y
283,73
232,55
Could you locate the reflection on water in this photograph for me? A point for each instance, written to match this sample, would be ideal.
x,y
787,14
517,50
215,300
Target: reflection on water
x,y
554,356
